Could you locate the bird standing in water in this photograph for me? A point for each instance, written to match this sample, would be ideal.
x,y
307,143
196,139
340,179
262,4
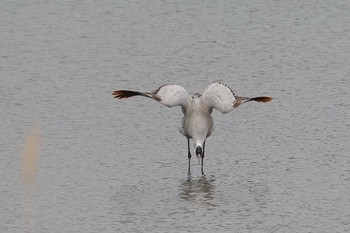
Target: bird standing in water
x,y
197,123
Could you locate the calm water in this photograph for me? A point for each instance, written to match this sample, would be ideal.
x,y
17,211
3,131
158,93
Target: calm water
x,y
120,166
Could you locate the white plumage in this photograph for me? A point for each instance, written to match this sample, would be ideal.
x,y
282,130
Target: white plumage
x,y
197,123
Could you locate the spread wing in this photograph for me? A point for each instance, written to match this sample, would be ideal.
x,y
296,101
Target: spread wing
x,y
169,95
219,96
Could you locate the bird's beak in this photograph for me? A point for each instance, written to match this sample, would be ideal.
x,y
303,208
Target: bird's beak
x,y
200,160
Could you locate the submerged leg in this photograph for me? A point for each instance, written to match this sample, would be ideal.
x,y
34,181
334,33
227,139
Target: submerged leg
x,y
202,155
189,156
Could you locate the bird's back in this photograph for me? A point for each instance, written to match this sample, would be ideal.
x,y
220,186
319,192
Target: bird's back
x,y
197,121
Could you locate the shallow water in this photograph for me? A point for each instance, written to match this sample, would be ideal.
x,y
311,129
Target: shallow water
x,y
109,165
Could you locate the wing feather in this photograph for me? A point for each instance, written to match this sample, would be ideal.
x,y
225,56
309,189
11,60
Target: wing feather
x,y
219,96
172,95
169,95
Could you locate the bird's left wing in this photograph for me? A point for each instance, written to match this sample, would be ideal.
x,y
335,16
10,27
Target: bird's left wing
x,y
169,94
219,96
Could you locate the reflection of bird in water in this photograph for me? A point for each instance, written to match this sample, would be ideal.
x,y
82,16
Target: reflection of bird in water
x,y
201,189
197,123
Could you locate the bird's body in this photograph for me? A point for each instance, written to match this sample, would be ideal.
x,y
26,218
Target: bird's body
x,y
197,123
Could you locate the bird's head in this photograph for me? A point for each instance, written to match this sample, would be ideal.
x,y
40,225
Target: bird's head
x,y
199,151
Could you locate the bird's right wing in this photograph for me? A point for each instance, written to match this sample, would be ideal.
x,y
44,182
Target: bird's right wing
x,y
169,94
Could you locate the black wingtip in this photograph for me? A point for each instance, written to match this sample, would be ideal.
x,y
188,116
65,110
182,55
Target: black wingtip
x,y
263,99
122,94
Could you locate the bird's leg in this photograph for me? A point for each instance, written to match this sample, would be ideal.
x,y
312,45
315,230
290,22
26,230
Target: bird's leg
x,y
203,148
202,155
189,156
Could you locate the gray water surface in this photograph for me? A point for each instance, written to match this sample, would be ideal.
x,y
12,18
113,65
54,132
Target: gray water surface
x,y
109,165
